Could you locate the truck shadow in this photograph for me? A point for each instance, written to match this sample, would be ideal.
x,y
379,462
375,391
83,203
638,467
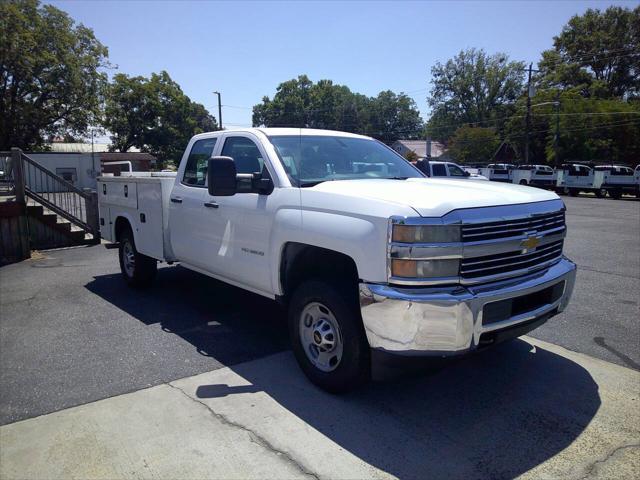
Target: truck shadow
x,y
497,414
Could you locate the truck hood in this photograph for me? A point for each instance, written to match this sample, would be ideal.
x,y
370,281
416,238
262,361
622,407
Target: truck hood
x,y
435,197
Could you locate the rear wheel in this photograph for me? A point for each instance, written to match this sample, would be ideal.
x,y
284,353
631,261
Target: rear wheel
x,y
601,192
328,338
616,194
523,182
574,192
137,269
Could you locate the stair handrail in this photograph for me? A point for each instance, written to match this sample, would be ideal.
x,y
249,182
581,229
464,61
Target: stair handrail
x,y
22,189
55,176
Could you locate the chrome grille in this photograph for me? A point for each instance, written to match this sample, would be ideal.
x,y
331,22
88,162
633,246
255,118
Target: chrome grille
x,y
542,223
510,262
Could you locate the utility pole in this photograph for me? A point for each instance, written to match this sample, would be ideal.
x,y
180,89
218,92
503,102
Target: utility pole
x,y
219,110
528,121
557,136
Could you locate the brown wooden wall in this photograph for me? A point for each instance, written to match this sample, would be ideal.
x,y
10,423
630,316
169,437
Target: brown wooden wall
x,y
14,233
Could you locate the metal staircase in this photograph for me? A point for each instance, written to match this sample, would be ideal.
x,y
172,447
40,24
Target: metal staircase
x,y
59,214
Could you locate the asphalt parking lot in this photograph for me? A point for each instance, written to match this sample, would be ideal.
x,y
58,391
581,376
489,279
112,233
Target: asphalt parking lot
x,y
72,333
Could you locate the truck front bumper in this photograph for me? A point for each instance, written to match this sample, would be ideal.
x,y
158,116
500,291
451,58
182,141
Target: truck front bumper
x,y
456,320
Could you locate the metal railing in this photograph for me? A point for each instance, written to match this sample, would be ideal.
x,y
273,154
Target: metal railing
x,y
33,181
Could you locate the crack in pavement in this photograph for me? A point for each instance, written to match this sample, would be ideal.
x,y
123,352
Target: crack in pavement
x,y
253,436
591,269
593,466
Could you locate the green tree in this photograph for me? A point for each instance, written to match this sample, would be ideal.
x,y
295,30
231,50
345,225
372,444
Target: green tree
x,y
411,156
473,88
473,144
394,116
302,103
597,54
154,115
50,74
591,129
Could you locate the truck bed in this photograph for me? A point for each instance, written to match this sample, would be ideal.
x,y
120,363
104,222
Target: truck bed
x,y
143,199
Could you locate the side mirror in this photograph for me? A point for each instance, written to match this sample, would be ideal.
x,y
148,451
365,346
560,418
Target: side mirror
x,y
221,177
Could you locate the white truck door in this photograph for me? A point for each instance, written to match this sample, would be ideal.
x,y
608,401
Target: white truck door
x,y
237,230
187,211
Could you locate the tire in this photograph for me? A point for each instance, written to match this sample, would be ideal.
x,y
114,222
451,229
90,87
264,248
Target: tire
x,y
137,269
573,192
616,194
523,182
601,192
328,338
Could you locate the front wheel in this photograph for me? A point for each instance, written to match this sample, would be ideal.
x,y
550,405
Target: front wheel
x,y
601,192
137,269
616,194
328,338
573,192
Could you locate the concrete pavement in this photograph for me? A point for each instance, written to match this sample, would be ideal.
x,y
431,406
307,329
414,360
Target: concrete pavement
x,y
527,408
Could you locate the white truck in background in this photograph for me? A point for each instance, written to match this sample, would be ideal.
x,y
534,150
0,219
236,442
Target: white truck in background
x,y
573,178
616,180
498,172
542,176
370,257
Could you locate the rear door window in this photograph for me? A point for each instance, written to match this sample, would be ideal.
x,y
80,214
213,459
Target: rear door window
x,y
195,171
438,170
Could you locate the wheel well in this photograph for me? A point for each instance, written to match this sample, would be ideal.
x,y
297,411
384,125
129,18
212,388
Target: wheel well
x,y
301,262
121,224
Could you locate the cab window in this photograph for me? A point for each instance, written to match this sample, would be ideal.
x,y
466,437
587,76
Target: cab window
x,y
455,171
245,154
196,170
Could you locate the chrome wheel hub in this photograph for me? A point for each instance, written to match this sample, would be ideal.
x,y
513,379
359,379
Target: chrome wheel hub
x,y
320,337
128,258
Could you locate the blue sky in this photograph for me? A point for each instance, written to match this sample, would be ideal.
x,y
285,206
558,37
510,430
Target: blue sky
x,y
245,49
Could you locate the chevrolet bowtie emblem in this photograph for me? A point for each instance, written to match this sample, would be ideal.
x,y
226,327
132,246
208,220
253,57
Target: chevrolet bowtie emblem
x,y
529,244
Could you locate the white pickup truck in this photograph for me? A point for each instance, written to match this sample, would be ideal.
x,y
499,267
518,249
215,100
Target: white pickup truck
x,y
370,257
541,176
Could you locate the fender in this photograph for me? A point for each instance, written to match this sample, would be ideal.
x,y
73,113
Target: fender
x,y
130,219
363,239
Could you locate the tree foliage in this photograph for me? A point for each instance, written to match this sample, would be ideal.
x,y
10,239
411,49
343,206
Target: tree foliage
x,y
596,54
473,88
301,103
591,129
153,114
50,74
473,144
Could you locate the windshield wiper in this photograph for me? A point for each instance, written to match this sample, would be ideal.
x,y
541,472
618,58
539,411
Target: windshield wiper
x,y
396,178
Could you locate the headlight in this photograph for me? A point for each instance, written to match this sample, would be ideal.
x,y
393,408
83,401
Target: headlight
x,y
402,268
426,233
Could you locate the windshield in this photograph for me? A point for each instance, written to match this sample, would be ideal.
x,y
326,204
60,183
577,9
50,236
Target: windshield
x,y
311,159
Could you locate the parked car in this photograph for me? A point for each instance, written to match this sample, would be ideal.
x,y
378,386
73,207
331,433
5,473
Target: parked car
x,y
367,254
434,168
534,175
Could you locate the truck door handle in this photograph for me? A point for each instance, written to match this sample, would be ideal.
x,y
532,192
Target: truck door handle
x,y
211,204
176,199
